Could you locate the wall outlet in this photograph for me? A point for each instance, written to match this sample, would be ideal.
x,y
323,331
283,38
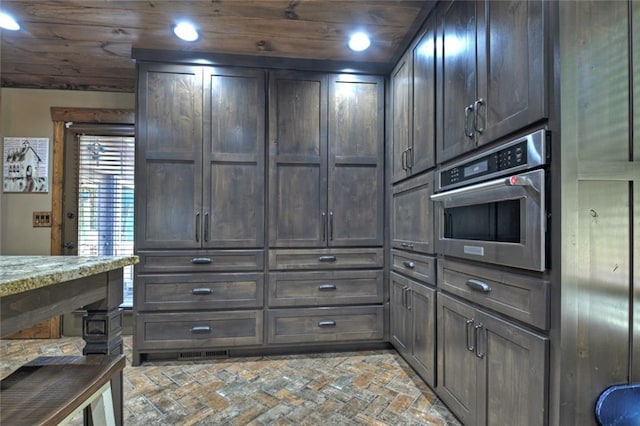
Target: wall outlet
x,y
41,219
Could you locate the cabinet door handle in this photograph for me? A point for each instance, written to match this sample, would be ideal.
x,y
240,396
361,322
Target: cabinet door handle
x,y
327,323
409,158
201,291
206,227
476,109
477,332
467,113
323,224
327,259
201,261
409,264
201,329
331,226
404,160
327,287
409,299
197,227
469,331
478,285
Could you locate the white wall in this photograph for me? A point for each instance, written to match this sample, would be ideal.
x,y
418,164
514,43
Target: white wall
x,y
26,113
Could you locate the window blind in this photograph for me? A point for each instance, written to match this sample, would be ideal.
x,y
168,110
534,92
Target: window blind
x,y
105,199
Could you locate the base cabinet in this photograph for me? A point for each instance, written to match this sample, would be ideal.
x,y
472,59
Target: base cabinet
x,y
490,371
413,325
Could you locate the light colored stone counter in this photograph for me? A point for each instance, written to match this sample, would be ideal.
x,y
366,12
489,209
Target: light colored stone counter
x,y
23,273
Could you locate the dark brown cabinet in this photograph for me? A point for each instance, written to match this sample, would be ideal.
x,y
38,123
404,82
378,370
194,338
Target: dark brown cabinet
x,y
199,209
412,220
413,324
325,160
491,70
413,96
199,157
490,371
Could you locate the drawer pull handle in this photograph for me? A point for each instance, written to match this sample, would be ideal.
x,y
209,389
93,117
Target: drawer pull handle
x,y
327,323
478,285
409,264
201,329
325,287
327,259
406,245
201,291
201,261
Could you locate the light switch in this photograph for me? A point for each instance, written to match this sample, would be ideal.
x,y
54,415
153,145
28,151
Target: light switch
x,y
41,219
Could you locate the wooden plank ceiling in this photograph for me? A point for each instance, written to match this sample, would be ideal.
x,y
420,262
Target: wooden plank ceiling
x,y
86,44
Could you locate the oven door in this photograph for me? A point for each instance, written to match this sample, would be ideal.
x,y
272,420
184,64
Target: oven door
x,y
501,221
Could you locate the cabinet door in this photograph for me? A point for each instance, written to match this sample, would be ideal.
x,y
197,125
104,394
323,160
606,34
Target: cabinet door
x,y
422,154
457,76
412,215
514,372
511,66
422,307
355,160
457,366
169,157
233,158
400,319
400,118
297,160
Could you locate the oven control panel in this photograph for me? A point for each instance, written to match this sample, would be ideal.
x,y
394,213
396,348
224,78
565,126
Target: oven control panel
x,y
520,154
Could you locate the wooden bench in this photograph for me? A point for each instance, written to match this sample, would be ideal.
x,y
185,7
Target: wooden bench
x,y
51,390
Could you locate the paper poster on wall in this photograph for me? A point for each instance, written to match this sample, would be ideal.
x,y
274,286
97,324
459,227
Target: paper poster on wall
x,y
26,164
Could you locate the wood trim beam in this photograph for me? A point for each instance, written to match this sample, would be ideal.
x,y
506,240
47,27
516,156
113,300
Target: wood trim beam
x,y
93,115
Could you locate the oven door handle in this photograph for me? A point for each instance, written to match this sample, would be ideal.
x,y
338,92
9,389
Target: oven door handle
x,y
515,180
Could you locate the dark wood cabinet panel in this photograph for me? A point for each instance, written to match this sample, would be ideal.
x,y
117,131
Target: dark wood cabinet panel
x,y
355,160
413,324
199,291
400,117
457,78
490,371
168,261
297,159
412,220
492,70
325,324
512,66
168,156
323,259
325,288
416,266
233,158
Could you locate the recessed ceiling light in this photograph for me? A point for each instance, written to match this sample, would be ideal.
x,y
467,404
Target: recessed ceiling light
x,y
8,23
359,42
186,31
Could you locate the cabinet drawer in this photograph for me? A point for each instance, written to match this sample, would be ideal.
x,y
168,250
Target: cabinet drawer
x,y
412,220
200,261
202,329
198,291
422,268
325,288
518,296
325,324
325,259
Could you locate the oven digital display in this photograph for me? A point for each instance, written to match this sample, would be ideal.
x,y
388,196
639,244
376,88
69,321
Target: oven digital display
x,y
476,168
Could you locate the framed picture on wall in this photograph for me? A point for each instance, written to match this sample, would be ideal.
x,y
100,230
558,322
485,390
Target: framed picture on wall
x,y
26,164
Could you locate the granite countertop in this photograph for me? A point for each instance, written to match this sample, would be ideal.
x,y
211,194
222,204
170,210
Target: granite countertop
x,y
23,273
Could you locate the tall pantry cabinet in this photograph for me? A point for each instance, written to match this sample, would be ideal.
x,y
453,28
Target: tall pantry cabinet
x,y
199,208
326,153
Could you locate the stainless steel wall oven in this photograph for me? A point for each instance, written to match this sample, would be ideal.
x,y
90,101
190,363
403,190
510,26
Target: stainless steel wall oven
x,y
491,207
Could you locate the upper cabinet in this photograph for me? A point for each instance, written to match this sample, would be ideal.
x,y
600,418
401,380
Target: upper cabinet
x,y
199,157
413,107
325,160
491,69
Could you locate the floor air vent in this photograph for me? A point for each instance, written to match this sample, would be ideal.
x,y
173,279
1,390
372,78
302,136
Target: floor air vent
x,y
203,354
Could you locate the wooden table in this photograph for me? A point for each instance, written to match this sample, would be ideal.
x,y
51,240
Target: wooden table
x,y
36,288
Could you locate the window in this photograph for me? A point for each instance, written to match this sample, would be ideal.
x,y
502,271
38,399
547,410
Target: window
x,y
105,199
